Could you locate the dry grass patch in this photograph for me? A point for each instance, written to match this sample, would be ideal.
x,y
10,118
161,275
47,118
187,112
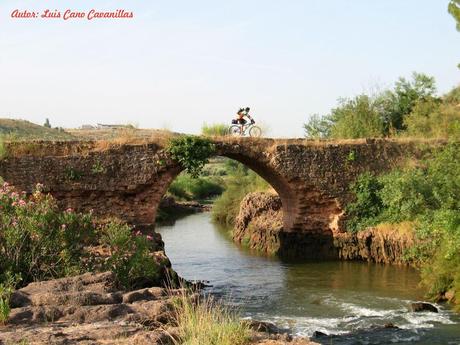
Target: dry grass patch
x,y
46,148
403,230
133,137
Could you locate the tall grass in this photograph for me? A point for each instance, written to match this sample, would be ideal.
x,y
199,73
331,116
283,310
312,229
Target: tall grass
x,y
187,188
204,321
2,149
240,182
6,289
4,305
216,129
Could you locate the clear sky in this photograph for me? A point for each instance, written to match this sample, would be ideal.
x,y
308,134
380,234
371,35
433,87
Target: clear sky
x,y
180,63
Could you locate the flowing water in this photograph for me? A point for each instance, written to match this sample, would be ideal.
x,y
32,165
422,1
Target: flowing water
x,y
344,300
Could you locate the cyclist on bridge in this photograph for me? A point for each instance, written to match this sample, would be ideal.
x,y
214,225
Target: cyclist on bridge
x,y
241,114
240,126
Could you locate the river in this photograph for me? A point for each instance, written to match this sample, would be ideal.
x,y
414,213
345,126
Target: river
x,y
341,299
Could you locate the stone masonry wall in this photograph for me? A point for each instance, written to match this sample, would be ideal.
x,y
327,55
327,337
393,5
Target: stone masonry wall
x,y
312,178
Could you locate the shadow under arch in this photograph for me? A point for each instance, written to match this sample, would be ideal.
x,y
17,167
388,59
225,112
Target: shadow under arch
x,y
279,184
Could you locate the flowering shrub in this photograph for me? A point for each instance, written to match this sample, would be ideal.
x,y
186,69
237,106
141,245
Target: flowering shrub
x,y
130,257
38,241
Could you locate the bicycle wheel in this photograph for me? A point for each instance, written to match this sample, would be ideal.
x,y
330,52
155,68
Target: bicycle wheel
x,y
234,130
255,132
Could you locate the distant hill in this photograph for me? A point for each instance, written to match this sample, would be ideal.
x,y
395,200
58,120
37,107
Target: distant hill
x,y
24,130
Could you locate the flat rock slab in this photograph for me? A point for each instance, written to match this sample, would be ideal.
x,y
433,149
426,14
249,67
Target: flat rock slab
x,y
87,309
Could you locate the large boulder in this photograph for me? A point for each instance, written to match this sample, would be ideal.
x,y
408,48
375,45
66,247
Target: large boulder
x,y
259,222
418,307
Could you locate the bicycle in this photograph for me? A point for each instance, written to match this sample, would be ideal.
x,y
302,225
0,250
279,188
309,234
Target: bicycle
x,y
250,128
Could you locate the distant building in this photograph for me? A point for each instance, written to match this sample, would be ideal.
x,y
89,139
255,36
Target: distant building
x,y
103,126
87,127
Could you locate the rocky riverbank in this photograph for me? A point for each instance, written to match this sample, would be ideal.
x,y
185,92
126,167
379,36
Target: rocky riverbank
x,y
259,226
86,309
377,244
90,309
170,209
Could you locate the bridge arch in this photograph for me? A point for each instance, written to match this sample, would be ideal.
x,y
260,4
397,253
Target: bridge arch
x,y
254,161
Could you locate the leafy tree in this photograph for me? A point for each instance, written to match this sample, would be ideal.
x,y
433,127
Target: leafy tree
x,y
434,118
317,127
453,97
356,118
410,108
454,10
47,123
400,102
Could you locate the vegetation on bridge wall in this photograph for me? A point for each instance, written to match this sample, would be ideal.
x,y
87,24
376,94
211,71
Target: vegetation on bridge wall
x,y
191,152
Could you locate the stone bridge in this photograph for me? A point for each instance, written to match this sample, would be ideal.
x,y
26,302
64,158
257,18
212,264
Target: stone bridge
x,y
128,181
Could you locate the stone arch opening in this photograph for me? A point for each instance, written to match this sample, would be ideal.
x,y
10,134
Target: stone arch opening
x,y
309,217
263,170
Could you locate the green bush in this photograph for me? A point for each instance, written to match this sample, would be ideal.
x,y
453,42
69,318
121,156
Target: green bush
x,y
191,152
357,118
429,197
216,129
178,189
433,119
318,127
205,188
405,195
36,240
130,256
363,212
39,242
453,97
187,188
